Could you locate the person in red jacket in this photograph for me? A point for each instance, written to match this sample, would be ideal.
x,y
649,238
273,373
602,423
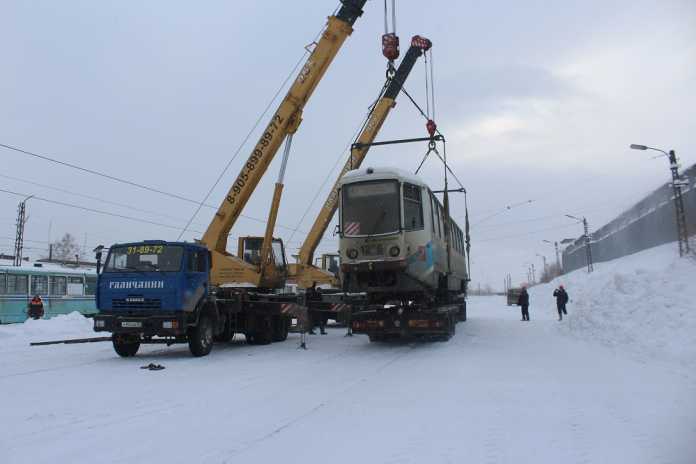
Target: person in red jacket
x,y
36,308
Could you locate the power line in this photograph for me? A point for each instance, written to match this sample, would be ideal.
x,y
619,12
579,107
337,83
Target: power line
x,y
493,239
90,197
102,212
96,211
127,182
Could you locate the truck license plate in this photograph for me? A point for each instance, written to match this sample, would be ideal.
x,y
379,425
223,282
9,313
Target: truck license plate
x,y
131,324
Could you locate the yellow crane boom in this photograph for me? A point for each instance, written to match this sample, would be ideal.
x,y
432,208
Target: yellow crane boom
x,y
285,121
304,272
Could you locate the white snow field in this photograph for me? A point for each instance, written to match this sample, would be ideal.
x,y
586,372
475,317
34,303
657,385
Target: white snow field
x,y
613,383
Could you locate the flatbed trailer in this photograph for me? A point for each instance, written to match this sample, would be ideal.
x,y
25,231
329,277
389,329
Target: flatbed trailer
x,y
384,322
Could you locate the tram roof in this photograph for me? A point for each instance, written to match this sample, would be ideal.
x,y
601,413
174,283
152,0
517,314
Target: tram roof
x,y
28,267
379,173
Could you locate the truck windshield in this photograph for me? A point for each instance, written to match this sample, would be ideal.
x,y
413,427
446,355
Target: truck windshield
x,y
144,258
370,208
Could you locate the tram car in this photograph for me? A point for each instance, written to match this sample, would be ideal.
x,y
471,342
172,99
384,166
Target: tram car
x,y
63,290
392,240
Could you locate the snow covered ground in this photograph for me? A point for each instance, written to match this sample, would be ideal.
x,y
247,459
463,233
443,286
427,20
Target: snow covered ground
x,y
501,391
644,303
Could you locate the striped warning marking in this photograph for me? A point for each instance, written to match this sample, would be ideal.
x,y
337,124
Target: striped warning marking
x,y
351,228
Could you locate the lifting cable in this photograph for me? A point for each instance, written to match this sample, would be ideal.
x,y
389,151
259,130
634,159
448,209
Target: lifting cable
x,y
429,115
390,41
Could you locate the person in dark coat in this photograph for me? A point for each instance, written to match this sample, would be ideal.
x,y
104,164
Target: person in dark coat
x,y
561,301
523,302
36,308
316,318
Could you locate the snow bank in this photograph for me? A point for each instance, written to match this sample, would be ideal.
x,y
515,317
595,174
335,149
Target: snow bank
x,y
73,325
645,302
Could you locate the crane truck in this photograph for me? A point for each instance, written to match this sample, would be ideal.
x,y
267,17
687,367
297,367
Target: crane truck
x,y
333,303
197,293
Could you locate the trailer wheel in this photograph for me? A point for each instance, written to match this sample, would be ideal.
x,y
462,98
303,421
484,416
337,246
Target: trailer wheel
x,y
462,312
263,333
200,337
280,328
126,346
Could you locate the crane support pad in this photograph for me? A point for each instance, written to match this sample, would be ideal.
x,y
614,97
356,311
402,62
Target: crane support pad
x,y
72,340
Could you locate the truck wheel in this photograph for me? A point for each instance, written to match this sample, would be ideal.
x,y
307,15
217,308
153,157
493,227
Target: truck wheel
x,y
227,335
263,333
462,312
280,328
126,346
200,337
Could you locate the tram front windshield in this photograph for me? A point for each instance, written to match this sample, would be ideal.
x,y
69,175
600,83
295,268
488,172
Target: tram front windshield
x,y
370,208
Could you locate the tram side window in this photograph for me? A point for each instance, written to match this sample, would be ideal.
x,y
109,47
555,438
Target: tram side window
x,y
17,284
413,207
436,209
455,234
90,285
59,286
75,286
39,285
441,210
3,284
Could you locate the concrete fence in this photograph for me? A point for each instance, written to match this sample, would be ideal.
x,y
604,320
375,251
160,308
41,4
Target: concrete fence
x,y
649,223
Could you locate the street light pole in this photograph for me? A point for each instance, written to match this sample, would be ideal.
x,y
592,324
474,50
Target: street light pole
x,y
588,247
682,227
558,255
546,270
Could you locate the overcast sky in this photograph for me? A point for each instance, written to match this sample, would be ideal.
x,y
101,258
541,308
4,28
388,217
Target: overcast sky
x,y
538,100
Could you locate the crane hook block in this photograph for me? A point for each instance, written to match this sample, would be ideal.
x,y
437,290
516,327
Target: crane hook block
x,y
431,126
390,46
421,42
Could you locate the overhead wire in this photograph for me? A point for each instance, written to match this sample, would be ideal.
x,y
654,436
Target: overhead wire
x,y
93,210
128,182
90,197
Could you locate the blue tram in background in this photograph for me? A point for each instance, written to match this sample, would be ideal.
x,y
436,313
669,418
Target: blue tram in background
x,y
63,290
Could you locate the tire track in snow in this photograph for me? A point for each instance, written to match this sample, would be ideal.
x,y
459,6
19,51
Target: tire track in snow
x,y
250,444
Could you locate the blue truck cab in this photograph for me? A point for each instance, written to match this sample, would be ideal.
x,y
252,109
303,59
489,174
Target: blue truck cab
x,y
155,291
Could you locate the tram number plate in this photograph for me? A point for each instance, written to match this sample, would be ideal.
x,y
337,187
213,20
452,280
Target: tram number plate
x,y
131,324
372,250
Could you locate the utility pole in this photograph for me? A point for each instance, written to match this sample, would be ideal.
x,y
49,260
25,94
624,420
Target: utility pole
x,y
588,245
19,236
677,184
546,268
558,258
682,228
533,275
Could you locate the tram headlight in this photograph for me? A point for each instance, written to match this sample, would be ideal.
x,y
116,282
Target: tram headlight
x,y
352,253
394,251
